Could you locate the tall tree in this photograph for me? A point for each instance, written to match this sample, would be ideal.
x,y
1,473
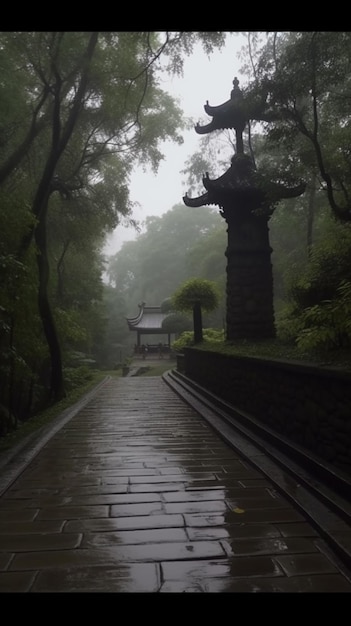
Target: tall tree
x,y
196,295
301,87
149,268
91,98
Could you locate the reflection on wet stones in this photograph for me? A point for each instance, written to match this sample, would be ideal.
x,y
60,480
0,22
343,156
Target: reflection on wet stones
x,y
138,493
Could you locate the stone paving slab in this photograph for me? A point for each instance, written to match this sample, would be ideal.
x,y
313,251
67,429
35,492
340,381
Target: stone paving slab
x,y
135,492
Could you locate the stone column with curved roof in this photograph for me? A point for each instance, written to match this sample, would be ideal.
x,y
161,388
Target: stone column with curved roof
x,y
246,201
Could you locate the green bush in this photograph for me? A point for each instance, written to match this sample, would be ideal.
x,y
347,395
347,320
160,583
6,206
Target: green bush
x,y
327,325
328,266
186,339
77,376
288,324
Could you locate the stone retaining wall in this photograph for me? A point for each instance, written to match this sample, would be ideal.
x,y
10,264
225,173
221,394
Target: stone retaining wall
x,y
309,405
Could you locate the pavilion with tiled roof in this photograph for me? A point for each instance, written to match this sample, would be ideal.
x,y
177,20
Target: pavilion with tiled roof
x,y
148,322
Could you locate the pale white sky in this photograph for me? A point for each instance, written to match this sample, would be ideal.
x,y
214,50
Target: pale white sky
x,y
204,79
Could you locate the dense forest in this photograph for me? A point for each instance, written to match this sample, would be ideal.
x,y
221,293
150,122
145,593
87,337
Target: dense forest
x,y
78,112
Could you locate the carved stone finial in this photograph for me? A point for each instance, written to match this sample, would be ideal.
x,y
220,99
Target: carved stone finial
x,y
236,92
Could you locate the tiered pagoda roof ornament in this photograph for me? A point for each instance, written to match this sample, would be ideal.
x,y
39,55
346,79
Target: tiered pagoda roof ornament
x,y
246,200
228,115
241,179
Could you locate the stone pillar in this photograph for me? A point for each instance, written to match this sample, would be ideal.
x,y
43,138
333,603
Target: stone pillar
x,y
250,313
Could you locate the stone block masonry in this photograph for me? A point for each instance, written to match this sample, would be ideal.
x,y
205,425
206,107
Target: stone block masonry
x,y
307,404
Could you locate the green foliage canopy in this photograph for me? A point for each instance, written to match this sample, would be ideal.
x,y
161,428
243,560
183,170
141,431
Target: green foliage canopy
x,y
78,110
299,91
194,291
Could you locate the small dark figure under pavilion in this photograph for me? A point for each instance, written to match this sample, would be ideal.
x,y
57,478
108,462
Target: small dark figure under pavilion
x,y
246,201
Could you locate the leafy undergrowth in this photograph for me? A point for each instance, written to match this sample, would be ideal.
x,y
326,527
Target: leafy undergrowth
x,y
45,417
78,384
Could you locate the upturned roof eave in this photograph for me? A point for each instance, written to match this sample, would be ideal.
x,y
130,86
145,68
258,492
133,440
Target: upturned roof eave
x,y
202,200
219,109
132,321
221,190
149,320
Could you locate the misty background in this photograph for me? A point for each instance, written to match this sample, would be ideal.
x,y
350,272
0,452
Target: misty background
x,y
205,78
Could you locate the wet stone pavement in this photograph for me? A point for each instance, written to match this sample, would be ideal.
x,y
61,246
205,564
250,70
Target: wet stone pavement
x,y
137,493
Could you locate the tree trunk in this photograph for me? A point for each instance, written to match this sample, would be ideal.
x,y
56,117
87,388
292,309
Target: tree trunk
x,y
310,214
61,135
56,377
197,319
13,422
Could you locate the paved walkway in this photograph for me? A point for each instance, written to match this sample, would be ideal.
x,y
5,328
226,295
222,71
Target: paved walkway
x,y
135,492
151,361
